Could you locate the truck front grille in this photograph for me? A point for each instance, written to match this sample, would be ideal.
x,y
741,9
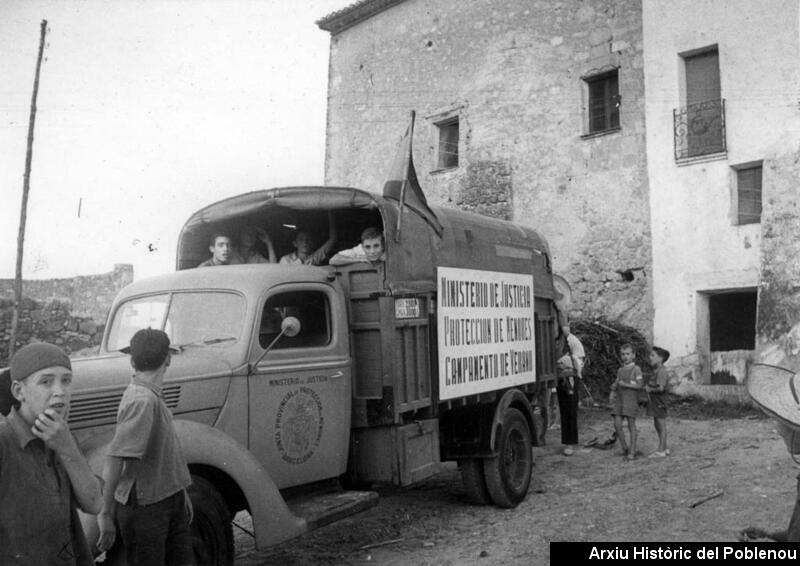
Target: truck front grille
x,y
102,408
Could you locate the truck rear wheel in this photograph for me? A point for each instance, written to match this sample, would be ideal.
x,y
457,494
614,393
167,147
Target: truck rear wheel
x,y
474,481
212,531
508,475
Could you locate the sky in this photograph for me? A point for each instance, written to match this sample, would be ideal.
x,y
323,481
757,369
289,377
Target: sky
x,y
146,112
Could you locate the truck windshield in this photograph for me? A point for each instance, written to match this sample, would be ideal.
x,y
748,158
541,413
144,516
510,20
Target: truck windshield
x,y
197,320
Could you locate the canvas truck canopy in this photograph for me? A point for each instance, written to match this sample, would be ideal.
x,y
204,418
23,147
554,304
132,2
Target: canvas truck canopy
x,y
414,250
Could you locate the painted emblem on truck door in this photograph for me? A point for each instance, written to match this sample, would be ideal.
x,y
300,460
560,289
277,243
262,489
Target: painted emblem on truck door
x,y
298,425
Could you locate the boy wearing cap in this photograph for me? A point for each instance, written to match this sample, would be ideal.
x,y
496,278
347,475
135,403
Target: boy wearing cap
x,y
43,475
146,476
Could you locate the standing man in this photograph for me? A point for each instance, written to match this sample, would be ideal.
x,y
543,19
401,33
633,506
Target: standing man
x,y
43,475
146,476
571,365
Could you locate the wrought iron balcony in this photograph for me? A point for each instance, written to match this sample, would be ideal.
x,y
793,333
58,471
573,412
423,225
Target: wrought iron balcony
x,y
699,129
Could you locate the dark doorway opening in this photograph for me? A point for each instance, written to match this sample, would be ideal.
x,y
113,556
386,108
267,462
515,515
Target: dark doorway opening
x,y
732,318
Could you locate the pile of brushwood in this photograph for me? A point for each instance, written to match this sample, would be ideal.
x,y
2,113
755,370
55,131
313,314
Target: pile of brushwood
x,y
602,339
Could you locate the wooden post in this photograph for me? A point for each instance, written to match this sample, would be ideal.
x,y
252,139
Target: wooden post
x,y
26,186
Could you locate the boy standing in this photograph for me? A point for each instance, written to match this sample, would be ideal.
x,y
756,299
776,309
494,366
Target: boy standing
x,y
146,476
656,388
43,475
625,399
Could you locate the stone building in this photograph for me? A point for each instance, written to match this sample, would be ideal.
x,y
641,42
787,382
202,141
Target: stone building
x,y
723,139
536,112
529,111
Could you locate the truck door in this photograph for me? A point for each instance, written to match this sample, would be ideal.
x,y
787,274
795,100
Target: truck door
x,y
299,393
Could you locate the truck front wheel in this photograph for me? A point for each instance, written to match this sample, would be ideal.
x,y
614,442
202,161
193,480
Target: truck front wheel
x,y
508,475
212,532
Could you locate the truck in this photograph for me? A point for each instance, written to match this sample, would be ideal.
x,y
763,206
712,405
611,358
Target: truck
x,y
290,381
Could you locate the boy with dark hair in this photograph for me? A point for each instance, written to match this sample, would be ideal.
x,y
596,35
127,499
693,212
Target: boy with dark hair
x,y
146,476
370,250
656,388
43,475
222,253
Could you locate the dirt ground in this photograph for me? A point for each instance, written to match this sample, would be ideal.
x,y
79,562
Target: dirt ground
x,y
593,495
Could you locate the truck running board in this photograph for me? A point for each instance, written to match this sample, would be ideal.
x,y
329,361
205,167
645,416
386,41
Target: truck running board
x,y
321,509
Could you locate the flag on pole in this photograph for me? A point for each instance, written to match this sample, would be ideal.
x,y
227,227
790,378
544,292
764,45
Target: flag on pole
x,y
402,184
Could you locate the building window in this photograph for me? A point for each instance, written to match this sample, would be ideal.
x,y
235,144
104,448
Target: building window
x,y
732,321
748,194
603,101
700,125
448,144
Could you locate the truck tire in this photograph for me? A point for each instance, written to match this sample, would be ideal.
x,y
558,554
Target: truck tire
x,y
508,475
474,481
212,531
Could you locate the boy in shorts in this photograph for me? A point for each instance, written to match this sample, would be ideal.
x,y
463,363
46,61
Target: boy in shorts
x,y
625,399
656,388
145,474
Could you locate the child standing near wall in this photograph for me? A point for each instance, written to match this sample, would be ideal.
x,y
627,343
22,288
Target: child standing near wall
x,y
625,399
656,388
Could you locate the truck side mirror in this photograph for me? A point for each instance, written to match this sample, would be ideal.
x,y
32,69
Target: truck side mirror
x,y
290,326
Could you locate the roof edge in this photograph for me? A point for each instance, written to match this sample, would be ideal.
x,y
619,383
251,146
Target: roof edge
x,y
356,13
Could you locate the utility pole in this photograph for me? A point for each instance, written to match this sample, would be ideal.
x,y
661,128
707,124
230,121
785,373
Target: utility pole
x,y
26,187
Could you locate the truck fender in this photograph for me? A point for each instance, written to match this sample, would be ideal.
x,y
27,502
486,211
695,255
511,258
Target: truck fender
x,y
273,522
511,398
205,445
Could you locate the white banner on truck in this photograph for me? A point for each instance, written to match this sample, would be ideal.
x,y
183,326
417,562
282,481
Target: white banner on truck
x,y
485,332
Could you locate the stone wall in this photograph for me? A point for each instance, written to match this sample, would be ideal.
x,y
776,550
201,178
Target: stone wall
x,y
69,312
512,73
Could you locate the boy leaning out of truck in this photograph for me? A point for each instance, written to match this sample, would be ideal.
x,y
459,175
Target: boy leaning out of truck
x,y
625,399
145,474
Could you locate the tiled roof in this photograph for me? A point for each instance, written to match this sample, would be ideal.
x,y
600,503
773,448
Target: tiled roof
x,y
353,14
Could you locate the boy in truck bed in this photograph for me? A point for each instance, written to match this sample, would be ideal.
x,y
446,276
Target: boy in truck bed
x,y
370,250
304,253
